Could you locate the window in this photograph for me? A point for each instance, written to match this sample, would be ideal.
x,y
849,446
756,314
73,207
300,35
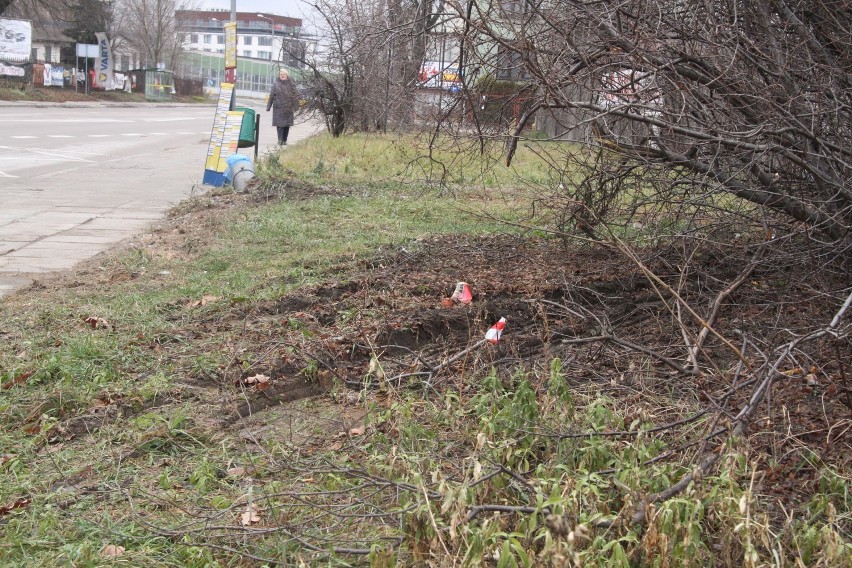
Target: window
x,y
193,38
264,55
510,66
514,7
208,38
246,53
264,40
220,39
48,54
247,40
34,54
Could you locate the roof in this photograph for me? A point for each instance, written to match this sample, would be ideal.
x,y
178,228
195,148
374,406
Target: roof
x,y
241,16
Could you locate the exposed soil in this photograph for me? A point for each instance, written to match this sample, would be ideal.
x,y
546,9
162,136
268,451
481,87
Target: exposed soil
x,y
389,320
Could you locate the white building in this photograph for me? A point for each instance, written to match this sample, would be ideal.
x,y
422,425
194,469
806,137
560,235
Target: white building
x,y
259,36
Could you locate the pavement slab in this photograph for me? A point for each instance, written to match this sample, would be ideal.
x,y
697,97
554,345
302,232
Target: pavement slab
x,y
74,183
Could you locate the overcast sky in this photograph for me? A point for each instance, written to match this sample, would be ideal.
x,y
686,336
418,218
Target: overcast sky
x,y
292,8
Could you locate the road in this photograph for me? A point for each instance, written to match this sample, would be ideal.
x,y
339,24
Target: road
x,y
74,181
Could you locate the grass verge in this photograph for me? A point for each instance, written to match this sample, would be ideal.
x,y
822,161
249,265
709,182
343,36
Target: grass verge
x,y
125,437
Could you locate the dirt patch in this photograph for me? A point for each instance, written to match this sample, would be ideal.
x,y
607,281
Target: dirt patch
x,y
388,320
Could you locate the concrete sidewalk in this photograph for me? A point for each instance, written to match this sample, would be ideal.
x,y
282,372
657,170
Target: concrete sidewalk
x,y
38,238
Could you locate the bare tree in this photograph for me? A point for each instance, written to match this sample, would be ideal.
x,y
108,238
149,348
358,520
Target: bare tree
x,y
364,74
750,98
151,28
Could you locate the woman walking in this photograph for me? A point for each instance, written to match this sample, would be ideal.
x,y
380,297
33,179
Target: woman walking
x,y
284,100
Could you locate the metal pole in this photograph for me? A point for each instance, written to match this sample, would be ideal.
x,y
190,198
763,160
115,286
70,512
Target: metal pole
x,y
256,135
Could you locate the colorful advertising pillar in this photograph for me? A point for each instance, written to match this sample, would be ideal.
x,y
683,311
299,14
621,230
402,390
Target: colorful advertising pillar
x,y
224,139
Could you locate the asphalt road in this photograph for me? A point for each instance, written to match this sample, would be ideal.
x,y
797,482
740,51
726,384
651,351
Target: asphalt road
x,y
75,180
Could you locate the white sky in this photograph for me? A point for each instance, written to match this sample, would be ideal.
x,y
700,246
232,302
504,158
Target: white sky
x,y
292,8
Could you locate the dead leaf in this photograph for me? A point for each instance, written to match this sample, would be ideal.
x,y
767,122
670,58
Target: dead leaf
x,y
237,471
5,458
112,551
19,504
357,430
205,299
262,382
17,380
97,323
250,516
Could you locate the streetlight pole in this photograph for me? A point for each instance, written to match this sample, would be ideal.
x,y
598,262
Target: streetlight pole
x,y
271,37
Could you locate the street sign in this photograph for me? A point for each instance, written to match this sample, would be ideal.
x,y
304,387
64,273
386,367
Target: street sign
x,y
87,50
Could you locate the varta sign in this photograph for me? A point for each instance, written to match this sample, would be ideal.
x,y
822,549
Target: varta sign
x,y
104,64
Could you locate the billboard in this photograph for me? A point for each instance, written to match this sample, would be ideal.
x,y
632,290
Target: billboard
x,y
16,37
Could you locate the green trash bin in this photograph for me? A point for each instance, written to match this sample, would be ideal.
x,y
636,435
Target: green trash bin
x,y
247,134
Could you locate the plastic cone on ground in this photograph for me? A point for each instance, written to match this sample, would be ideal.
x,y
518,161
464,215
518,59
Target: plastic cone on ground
x,y
495,331
462,294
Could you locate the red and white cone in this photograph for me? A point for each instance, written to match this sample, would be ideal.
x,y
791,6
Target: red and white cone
x,y
495,331
462,294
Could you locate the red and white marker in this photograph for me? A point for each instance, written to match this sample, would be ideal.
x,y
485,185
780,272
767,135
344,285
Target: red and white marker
x,y
462,293
495,331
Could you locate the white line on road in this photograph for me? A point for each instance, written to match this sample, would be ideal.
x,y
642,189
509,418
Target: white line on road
x,y
175,119
23,137
131,134
99,135
59,136
52,155
5,175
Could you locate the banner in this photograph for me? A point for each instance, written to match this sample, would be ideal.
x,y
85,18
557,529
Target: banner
x,y
16,38
104,64
57,76
12,71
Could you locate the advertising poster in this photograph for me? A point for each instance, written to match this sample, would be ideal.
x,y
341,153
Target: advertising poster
x,y
439,75
15,40
230,45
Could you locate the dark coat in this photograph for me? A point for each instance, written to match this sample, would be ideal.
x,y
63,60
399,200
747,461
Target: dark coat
x,y
284,101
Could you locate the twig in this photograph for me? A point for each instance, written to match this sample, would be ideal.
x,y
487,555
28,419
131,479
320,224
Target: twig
x,y
473,512
630,345
717,304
